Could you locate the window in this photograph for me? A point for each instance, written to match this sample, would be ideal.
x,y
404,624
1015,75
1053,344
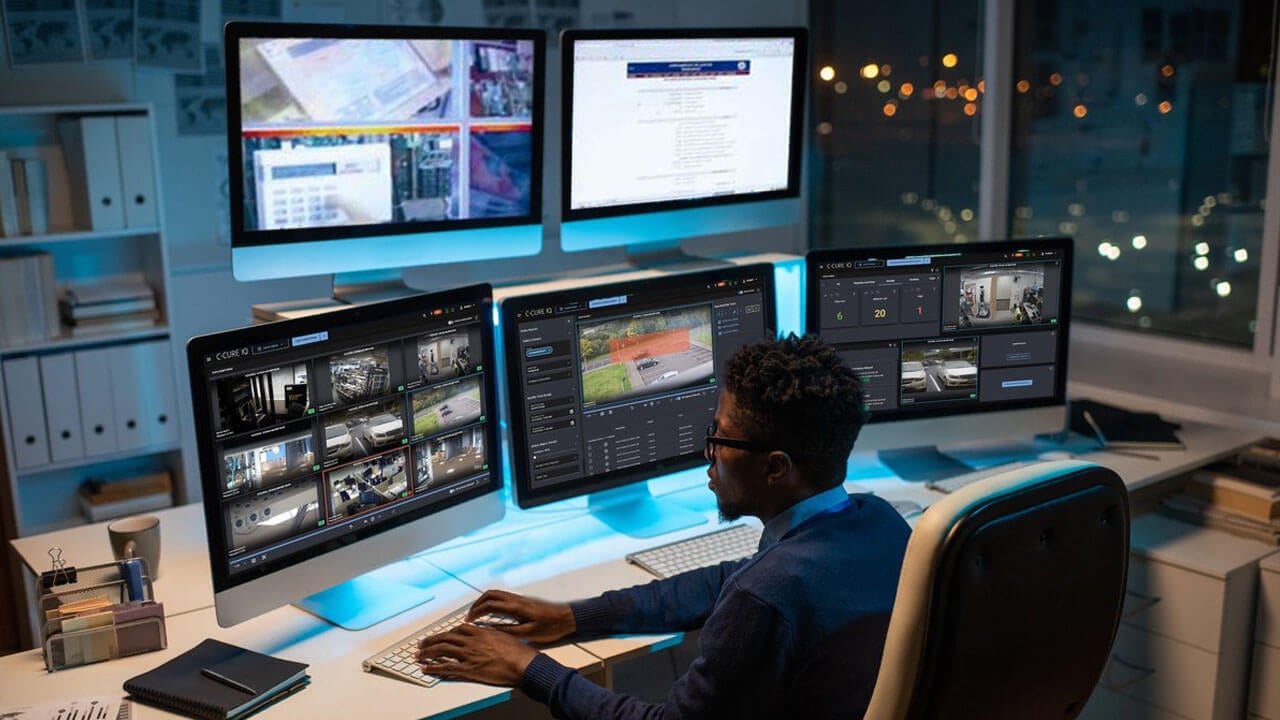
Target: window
x,y
1141,129
894,122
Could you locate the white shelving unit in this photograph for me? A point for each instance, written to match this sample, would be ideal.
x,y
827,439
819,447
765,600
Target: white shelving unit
x,y
127,373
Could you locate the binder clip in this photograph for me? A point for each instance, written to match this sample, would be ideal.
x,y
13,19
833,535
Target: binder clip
x,y
59,573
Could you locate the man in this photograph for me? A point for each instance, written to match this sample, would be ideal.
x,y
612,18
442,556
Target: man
x,y
794,631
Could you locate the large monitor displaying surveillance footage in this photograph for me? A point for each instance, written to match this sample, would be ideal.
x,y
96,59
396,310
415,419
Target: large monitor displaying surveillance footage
x,y
340,135
614,384
938,331
334,444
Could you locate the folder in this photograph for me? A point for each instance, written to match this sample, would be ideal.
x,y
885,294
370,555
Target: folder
x,y
93,168
129,377
8,200
61,406
97,416
31,193
137,170
26,412
158,396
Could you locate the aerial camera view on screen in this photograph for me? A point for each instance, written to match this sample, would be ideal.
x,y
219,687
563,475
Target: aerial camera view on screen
x,y
351,131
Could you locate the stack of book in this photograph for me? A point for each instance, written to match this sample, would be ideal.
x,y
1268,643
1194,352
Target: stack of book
x,y
28,297
125,302
1240,496
104,499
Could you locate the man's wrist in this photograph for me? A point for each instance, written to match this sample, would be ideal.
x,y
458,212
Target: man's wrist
x,y
541,676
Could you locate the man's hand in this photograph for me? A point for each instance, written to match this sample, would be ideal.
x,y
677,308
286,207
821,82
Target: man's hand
x,y
477,654
540,621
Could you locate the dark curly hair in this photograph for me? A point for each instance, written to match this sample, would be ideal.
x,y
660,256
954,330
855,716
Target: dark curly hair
x,y
795,394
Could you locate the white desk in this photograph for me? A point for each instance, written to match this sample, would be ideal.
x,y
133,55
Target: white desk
x,y
559,553
184,581
339,687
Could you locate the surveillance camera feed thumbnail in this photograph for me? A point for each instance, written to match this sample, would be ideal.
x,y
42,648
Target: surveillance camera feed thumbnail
x,y
319,436
444,407
363,131
449,457
261,399
446,355
637,355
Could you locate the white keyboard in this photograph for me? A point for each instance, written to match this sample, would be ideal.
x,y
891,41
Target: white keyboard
x,y
955,482
732,543
399,661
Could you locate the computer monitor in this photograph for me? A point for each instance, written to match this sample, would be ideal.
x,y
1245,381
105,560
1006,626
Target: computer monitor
x,y
668,134
613,384
953,342
355,148
335,444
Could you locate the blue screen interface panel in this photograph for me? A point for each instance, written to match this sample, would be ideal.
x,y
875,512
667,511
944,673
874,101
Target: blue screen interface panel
x,y
947,329
614,384
326,429
375,131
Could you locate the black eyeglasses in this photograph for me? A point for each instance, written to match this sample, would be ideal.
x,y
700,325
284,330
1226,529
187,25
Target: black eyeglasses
x,y
709,451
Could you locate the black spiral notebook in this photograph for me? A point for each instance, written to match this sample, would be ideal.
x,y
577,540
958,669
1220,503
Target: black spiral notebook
x,y
188,683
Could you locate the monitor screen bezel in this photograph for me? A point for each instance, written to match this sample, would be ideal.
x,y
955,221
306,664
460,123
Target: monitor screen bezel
x,y
568,38
526,495
813,313
234,32
202,405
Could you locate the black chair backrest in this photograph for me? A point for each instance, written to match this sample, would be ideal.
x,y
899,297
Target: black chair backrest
x,y
1026,601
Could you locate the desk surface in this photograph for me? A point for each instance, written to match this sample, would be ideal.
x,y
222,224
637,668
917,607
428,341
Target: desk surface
x,y
558,552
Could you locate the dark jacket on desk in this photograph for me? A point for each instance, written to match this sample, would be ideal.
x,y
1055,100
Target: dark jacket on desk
x,y
796,631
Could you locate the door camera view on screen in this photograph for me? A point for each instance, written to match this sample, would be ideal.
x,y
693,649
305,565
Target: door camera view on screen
x,y
359,131
954,330
614,379
321,434
660,119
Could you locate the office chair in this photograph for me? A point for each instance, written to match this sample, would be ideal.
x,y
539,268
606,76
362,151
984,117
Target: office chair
x,y
1009,598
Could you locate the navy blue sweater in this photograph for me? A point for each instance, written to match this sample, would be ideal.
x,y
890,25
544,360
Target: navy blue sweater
x,y
794,631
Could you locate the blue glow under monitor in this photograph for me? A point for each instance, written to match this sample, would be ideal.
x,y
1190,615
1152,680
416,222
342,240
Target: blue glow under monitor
x,y
355,148
670,134
954,342
334,445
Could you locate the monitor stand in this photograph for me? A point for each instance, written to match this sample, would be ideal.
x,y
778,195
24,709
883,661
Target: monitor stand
x,y
921,463
633,511
359,288
670,256
376,595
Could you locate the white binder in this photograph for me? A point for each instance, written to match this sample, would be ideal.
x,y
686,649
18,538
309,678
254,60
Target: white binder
x,y
61,406
159,404
137,170
129,379
93,167
26,412
97,414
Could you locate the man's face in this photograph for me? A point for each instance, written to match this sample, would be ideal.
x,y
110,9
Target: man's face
x,y
737,476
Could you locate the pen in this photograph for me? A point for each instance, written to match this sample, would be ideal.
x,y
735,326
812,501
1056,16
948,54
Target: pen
x,y
219,677
1102,440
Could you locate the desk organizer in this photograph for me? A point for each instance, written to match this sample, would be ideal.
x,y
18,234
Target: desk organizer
x,y
129,622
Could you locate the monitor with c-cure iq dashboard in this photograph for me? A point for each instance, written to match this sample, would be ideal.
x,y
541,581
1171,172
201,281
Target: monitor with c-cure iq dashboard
x,y
333,445
954,342
613,384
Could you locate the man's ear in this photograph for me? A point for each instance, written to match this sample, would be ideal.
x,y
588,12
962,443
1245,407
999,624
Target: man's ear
x,y
778,467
